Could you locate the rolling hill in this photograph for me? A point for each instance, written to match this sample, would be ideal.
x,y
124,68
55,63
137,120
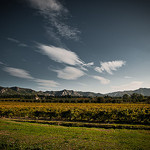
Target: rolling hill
x,y
25,91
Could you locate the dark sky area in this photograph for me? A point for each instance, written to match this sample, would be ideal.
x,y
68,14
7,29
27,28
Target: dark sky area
x,y
100,45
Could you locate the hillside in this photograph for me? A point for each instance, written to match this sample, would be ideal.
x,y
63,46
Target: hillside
x,y
26,91
143,91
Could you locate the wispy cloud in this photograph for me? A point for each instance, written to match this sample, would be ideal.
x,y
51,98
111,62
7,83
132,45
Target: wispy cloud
x,y
1,63
101,79
110,66
89,64
23,45
130,86
54,12
13,40
69,73
67,57
127,77
62,55
17,42
66,31
21,73
47,5
46,83
82,84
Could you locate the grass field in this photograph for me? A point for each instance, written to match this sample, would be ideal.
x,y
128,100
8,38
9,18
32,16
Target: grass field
x,y
63,126
24,135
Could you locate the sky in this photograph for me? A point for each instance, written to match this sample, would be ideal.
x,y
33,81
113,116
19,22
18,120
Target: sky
x,y
99,46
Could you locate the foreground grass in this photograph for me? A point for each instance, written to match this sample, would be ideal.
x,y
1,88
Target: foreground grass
x,y
86,124
24,135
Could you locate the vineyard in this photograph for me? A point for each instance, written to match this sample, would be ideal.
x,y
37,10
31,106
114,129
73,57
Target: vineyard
x,y
86,112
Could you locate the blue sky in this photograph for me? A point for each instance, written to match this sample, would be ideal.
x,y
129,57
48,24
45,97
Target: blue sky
x,y
100,46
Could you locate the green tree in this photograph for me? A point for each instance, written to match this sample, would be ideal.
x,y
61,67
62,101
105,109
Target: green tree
x,y
126,98
134,97
100,99
140,97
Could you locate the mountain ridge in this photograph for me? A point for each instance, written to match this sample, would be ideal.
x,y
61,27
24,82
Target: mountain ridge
x,y
27,91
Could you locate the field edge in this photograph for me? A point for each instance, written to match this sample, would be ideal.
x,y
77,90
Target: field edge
x,y
83,124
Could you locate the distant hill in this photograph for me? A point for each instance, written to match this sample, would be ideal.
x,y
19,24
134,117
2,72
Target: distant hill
x,y
17,90
73,93
143,91
26,91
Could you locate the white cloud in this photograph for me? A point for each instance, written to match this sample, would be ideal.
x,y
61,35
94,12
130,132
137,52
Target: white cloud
x,y
1,63
13,40
127,77
46,83
89,64
65,30
82,84
102,79
69,73
23,45
46,5
54,12
21,73
60,55
110,66
17,42
130,86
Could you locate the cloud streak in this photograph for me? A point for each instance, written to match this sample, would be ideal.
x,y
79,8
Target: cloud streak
x,y
127,77
17,42
89,64
101,79
46,5
46,83
67,57
130,86
69,73
54,12
62,55
110,66
21,73
1,63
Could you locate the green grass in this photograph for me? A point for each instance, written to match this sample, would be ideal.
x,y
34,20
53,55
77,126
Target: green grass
x,y
25,135
86,124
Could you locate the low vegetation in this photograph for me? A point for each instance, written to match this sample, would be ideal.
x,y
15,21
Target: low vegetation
x,y
33,136
84,112
133,98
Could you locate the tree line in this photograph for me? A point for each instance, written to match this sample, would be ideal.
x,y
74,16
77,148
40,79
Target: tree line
x,y
133,98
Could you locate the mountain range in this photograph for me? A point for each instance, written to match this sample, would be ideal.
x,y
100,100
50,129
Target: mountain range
x,y
26,91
